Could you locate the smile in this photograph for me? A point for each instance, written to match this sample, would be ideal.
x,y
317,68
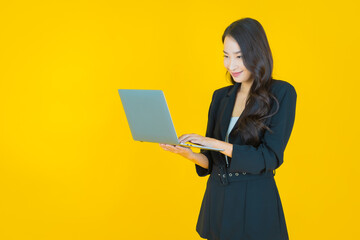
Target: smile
x,y
236,74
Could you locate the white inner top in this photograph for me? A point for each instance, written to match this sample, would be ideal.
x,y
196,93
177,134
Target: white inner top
x,y
231,126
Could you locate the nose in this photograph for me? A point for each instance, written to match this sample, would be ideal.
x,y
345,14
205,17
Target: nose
x,y
232,65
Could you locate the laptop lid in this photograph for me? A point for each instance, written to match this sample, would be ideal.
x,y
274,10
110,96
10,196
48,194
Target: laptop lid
x,y
149,117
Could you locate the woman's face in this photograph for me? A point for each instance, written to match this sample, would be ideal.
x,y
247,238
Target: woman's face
x,y
233,61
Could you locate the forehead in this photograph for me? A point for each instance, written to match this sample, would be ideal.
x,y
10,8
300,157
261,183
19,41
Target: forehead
x,y
230,45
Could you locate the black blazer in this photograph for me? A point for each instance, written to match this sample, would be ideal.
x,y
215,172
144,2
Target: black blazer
x,y
269,155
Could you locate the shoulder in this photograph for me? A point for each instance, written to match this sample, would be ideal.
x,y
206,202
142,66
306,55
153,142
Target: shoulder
x,y
280,88
222,91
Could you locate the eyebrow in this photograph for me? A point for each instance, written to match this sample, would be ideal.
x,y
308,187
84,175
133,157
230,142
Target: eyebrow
x,y
234,52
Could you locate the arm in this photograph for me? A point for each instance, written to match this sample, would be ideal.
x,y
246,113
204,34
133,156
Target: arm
x,y
269,154
200,160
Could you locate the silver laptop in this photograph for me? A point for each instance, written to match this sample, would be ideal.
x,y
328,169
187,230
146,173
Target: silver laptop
x,y
149,118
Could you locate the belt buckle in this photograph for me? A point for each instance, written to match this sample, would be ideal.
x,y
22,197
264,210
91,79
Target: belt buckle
x,y
223,178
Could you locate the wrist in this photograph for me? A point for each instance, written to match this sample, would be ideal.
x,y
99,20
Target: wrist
x,y
228,147
215,143
192,156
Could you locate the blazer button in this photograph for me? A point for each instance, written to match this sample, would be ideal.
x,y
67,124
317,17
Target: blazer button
x,y
224,175
244,173
236,174
230,174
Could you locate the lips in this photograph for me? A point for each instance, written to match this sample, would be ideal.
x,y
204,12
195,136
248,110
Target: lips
x,y
235,74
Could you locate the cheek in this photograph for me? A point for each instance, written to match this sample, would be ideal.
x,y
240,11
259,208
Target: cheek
x,y
226,63
248,74
241,64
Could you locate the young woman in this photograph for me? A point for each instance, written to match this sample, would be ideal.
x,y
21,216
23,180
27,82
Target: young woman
x,y
251,120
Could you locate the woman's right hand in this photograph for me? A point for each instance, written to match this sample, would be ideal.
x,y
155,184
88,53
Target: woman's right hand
x,y
183,151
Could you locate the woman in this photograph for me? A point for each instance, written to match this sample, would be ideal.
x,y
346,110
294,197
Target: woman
x,y
251,120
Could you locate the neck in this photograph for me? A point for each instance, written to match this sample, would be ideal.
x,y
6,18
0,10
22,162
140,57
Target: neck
x,y
245,87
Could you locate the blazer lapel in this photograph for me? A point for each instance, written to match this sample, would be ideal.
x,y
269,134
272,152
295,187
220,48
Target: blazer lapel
x,y
227,106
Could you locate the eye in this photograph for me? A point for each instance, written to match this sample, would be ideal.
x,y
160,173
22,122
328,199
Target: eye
x,y
225,56
239,56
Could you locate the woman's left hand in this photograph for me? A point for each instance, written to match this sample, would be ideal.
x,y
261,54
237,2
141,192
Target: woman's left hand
x,y
197,139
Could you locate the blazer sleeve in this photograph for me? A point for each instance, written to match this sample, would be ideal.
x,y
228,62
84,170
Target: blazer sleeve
x,y
269,155
210,126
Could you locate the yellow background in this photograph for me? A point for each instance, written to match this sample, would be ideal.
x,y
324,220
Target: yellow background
x,y
69,168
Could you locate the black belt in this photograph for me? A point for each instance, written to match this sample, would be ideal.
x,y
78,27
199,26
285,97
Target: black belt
x,y
226,177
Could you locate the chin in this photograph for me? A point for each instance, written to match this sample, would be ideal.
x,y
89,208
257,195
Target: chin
x,y
238,80
241,80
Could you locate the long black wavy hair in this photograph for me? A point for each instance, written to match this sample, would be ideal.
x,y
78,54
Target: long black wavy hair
x,y
257,58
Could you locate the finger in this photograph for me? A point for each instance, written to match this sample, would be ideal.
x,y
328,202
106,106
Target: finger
x,y
166,148
171,148
181,138
185,138
190,138
163,146
197,140
181,147
178,148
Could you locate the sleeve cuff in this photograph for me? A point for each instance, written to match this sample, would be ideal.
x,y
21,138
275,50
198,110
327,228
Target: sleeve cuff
x,y
239,160
203,171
